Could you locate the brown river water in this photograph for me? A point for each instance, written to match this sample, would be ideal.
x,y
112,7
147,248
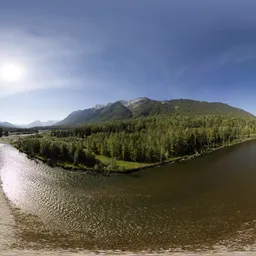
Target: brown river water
x,y
203,206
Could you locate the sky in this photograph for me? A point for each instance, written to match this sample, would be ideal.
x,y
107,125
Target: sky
x,y
75,54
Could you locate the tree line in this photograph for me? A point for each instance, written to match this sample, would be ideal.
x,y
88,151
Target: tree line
x,y
156,139
3,133
56,151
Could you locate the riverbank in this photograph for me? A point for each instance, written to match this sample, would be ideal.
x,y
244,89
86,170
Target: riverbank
x,y
124,167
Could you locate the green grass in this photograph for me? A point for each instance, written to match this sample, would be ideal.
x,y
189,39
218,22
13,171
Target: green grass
x,y
64,165
125,164
6,140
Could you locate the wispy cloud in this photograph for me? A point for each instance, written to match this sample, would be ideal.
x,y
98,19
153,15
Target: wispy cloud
x,y
26,86
181,72
238,54
50,58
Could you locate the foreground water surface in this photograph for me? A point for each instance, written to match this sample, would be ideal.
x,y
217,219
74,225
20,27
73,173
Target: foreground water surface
x,y
200,206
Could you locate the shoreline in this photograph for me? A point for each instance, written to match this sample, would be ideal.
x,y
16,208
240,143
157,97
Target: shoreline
x,y
128,171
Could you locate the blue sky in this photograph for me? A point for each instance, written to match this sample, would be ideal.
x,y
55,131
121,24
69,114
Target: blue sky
x,y
77,53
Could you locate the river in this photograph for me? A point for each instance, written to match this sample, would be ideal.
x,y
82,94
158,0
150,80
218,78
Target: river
x,y
203,206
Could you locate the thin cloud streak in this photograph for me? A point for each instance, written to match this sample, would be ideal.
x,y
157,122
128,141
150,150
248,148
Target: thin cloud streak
x,y
48,58
239,54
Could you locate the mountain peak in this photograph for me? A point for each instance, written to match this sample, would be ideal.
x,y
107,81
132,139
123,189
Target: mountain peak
x,y
99,106
134,101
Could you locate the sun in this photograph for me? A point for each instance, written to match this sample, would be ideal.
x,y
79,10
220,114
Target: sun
x,y
11,73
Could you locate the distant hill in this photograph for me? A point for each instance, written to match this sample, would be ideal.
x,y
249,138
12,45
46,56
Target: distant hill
x,y
115,111
142,107
38,123
191,107
6,125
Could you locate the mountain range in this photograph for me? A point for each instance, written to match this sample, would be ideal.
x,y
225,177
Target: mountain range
x,y
6,125
142,107
139,107
36,123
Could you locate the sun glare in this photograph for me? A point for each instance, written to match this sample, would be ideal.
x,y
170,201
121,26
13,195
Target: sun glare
x,y
11,73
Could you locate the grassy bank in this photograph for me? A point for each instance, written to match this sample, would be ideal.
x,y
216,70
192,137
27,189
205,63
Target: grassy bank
x,y
7,140
66,166
124,164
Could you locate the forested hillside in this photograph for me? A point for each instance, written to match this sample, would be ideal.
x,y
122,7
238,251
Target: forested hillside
x,y
144,107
